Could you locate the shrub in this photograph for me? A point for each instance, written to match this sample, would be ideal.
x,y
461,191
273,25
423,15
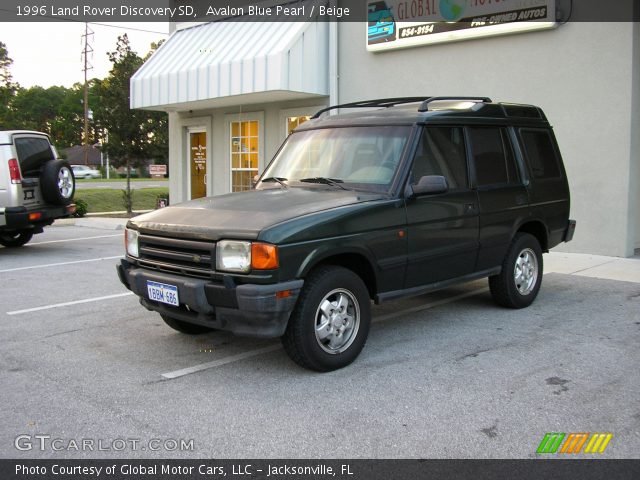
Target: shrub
x,y
81,208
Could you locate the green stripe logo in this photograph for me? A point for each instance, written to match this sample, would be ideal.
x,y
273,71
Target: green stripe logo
x,y
550,443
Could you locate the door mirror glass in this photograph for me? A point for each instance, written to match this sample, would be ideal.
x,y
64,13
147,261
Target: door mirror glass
x,y
430,185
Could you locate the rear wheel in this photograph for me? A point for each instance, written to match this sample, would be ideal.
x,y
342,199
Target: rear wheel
x,y
57,182
518,283
185,327
15,239
330,324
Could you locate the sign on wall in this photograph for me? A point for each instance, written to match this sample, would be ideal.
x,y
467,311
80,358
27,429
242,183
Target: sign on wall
x,y
408,23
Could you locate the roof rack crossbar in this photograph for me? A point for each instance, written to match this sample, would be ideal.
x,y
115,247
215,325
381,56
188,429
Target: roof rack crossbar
x,y
424,107
384,102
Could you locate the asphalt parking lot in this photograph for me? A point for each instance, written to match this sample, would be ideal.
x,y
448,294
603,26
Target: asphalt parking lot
x,y
444,375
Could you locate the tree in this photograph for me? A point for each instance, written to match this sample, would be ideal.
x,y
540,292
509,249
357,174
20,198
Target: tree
x,y
7,87
133,135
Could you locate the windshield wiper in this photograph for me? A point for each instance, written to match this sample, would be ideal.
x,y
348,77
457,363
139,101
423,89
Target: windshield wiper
x,y
280,180
334,182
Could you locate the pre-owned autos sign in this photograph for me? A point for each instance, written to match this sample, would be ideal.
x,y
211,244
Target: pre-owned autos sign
x,y
407,23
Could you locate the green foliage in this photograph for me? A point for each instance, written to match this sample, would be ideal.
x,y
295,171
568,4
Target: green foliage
x,y
7,87
81,207
110,199
134,135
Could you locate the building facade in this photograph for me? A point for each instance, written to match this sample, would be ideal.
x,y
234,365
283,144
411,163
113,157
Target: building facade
x,y
234,91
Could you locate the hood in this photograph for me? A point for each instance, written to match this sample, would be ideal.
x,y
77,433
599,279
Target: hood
x,y
243,215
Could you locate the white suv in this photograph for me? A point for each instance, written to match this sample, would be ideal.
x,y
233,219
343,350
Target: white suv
x,y
36,187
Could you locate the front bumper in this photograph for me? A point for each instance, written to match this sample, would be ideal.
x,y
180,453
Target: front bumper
x,y
249,309
22,218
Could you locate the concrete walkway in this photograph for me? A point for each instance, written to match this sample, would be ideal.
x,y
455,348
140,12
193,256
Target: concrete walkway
x,y
594,266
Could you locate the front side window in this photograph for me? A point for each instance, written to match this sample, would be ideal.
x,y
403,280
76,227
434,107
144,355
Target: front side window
x,y
358,157
493,156
441,152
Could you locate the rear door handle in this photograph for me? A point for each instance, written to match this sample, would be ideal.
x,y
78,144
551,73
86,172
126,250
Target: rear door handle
x,y
521,200
470,208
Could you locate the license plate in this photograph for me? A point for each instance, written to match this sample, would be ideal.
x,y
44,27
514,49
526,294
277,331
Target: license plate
x,y
161,292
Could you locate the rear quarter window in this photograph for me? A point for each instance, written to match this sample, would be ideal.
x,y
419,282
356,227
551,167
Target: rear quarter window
x,y
32,154
540,153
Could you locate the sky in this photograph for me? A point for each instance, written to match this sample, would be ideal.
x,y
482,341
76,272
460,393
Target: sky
x,y
49,53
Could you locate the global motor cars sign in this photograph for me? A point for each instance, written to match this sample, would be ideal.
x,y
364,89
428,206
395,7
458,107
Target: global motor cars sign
x,y
407,23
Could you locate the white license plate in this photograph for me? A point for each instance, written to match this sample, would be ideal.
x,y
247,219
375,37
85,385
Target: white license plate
x,y
161,292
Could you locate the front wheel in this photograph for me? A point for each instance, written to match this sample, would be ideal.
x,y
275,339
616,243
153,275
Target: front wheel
x,y
15,239
518,283
330,324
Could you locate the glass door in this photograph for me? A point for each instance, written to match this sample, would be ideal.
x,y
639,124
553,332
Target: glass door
x,y
198,163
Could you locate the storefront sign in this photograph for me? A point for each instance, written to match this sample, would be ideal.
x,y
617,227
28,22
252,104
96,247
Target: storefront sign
x,y
408,23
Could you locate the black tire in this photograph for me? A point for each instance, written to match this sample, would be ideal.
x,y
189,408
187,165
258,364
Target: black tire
x,y
513,291
185,327
15,239
57,182
303,344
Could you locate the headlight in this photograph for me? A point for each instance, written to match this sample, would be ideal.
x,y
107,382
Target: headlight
x,y
233,256
131,242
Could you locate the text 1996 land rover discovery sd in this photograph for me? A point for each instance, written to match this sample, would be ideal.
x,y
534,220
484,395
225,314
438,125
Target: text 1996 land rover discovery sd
x,y
396,201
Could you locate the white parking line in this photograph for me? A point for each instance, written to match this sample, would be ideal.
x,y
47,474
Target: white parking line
x,y
76,239
273,348
220,362
59,264
66,304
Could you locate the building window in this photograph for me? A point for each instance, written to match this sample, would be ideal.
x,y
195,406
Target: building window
x,y
293,122
244,154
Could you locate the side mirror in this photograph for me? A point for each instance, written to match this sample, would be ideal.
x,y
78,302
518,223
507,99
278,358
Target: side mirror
x,y
429,185
254,181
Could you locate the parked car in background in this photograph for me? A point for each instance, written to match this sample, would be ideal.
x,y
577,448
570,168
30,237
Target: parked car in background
x,y
36,187
84,172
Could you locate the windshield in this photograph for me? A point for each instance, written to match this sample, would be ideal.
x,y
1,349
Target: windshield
x,y
355,157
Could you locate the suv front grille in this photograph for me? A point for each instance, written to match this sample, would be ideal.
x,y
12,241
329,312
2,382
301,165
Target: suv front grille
x,y
186,257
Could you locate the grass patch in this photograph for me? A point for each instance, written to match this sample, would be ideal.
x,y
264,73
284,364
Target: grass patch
x,y
111,200
109,180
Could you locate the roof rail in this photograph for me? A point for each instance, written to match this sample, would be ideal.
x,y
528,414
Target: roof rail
x,y
424,107
384,102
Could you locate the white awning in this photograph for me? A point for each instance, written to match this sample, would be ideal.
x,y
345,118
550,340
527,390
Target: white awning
x,y
204,66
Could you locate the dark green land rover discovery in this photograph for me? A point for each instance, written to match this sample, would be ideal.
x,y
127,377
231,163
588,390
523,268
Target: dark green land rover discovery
x,y
387,202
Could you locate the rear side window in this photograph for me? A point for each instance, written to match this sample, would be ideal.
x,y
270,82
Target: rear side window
x,y
493,156
538,147
32,154
441,152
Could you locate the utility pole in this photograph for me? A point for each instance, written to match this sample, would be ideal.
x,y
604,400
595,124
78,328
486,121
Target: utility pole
x,y
88,49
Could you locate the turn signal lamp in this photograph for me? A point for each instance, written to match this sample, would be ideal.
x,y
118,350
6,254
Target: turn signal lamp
x,y
264,256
